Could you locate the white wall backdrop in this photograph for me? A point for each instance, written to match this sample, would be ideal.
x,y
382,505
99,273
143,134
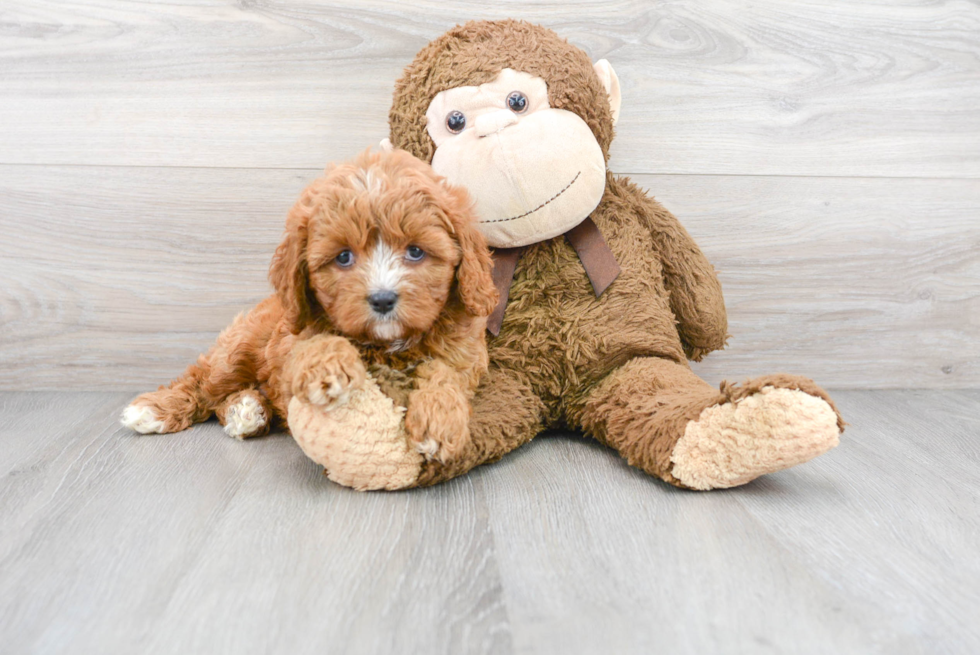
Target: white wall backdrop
x,y
825,155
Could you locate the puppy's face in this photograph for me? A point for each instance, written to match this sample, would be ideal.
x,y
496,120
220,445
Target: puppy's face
x,y
382,272
387,245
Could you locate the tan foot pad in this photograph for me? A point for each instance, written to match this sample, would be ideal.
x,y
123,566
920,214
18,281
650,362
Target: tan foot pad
x,y
736,442
361,444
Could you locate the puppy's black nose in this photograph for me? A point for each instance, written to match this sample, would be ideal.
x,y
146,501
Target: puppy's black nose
x,y
383,301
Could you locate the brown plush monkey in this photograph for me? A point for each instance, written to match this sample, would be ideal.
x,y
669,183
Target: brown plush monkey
x,y
608,294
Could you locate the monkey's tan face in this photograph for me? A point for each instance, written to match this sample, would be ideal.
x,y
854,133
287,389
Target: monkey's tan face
x,y
534,171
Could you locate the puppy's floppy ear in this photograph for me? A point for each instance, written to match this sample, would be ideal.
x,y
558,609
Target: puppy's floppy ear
x,y
474,274
289,272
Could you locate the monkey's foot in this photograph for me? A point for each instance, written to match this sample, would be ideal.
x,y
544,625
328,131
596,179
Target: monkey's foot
x,y
735,442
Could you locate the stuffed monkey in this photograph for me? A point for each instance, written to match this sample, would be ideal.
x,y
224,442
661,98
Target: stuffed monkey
x,y
605,296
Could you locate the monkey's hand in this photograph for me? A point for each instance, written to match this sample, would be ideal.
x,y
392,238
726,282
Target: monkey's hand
x,y
438,422
324,369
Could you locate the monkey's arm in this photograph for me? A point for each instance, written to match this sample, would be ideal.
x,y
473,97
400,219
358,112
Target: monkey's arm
x,y
695,292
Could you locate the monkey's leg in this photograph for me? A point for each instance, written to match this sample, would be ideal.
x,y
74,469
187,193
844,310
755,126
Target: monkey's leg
x,y
667,421
506,414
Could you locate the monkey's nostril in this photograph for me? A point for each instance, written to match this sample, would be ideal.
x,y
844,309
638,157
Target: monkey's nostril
x,y
383,301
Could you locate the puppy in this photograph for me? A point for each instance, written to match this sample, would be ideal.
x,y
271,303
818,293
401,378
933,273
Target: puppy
x,y
381,266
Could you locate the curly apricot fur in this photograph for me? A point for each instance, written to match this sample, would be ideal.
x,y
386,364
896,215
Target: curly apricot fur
x,y
315,336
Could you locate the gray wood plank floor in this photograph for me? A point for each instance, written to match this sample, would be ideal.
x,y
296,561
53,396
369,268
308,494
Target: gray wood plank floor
x,y
195,543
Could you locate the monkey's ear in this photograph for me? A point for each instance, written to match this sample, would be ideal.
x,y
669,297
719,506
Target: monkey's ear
x,y
289,272
611,83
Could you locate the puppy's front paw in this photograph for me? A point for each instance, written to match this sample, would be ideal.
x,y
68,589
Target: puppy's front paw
x,y
325,369
437,422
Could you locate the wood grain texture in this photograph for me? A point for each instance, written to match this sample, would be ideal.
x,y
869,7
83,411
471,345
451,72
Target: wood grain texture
x,y
113,543
820,88
196,543
119,277
870,548
859,283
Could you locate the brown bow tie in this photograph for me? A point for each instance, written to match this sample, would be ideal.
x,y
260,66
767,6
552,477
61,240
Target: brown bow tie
x,y
596,257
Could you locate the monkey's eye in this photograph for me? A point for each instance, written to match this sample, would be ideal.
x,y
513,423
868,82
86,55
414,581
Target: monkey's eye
x,y
414,254
345,258
517,102
455,121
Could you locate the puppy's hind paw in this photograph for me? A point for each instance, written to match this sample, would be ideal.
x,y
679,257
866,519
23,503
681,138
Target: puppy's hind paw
x,y
245,419
142,419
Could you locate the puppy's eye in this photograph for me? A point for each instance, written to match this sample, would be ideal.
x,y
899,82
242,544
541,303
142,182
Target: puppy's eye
x,y
345,258
517,102
414,254
455,121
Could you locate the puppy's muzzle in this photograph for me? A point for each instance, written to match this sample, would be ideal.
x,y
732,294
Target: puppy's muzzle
x,y
383,302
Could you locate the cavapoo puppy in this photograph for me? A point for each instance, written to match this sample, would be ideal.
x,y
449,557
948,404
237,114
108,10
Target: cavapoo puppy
x,y
381,266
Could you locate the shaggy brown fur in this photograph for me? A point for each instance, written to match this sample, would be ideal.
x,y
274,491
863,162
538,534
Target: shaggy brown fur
x,y
614,366
316,335
475,53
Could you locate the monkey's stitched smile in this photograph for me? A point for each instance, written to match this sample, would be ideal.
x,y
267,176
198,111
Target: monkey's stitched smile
x,y
528,213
